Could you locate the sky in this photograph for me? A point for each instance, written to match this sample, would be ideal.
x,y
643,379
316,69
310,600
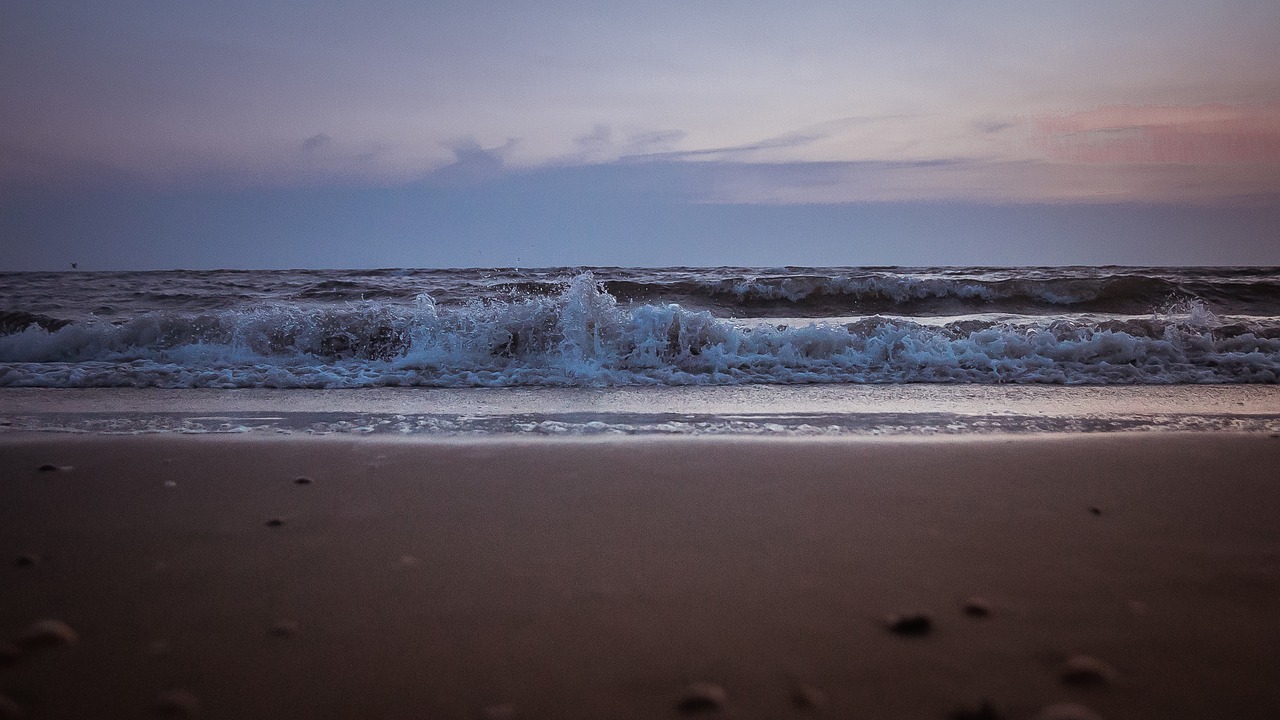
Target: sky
x,y
152,134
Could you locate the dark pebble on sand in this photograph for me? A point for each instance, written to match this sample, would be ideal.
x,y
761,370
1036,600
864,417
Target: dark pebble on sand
x,y
9,653
275,522
1095,510
48,633
26,561
177,704
808,697
1067,711
977,607
1085,671
302,481
48,468
985,711
503,711
702,697
910,624
285,629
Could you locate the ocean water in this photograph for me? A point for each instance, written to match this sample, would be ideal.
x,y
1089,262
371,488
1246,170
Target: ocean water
x,y
627,327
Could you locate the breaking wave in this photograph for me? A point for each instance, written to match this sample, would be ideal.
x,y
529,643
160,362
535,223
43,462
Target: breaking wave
x,y
580,335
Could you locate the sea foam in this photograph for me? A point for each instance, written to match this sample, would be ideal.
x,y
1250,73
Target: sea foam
x,y
580,335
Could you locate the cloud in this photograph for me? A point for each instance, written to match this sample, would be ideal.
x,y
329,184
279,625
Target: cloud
x,y
472,165
983,181
1216,134
315,142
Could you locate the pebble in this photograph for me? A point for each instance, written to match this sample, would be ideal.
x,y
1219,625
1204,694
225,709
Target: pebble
x,y
1087,671
503,711
977,607
275,522
48,633
808,697
302,481
177,704
9,710
985,711
1094,509
26,561
285,629
701,697
1067,711
9,653
48,468
910,624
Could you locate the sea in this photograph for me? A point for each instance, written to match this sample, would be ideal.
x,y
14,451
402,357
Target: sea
x,y
641,333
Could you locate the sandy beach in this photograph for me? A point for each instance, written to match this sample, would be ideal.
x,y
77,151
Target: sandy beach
x,y
599,578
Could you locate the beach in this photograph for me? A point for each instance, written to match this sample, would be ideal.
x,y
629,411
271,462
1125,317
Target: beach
x,y
598,577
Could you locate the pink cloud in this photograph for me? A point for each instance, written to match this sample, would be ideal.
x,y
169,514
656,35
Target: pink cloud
x,y
1216,134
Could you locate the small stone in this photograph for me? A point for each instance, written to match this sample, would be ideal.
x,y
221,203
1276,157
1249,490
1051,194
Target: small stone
x,y
808,697
26,561
9,653
914,624
302,481
701,697
985,711
48,633
1086,671
275,522
48,468
170,484
285,629
9,710
177,704
1095,510
977,607
1067,711
503,711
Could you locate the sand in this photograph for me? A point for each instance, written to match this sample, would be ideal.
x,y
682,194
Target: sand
x,y
605,578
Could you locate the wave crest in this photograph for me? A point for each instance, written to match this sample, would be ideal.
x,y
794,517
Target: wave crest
x,y
581,335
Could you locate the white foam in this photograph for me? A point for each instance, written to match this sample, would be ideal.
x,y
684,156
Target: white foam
x,y
582,337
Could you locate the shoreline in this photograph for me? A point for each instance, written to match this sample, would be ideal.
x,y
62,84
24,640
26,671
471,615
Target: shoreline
x,y
597,577
805,410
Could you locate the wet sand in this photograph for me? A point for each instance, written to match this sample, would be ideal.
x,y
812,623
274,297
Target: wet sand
x,y
599,578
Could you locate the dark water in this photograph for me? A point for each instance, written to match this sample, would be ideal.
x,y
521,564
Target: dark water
x,y
629,326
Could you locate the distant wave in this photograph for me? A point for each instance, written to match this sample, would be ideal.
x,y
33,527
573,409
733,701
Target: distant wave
x,y
907,294
581,335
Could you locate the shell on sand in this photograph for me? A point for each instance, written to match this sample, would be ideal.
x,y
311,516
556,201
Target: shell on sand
x,y
702,697
1067,711
48,633
177,704
1086,670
